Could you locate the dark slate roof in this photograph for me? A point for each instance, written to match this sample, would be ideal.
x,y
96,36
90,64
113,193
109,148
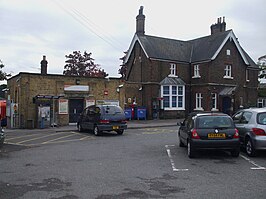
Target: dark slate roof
x,y
200,49
172,81
166,49
204,48
197,50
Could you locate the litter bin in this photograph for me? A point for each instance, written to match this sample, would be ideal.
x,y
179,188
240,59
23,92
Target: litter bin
x,y
141,113
128,113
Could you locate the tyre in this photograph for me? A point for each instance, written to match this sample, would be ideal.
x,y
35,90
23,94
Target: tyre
x,y
250,150
235,153
181,144
120,132
190,150
96,131
80,129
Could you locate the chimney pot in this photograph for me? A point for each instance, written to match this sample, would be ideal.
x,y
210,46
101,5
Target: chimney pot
x,y
44,66
140,22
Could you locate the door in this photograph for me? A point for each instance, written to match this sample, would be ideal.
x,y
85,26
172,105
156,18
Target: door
x,y
76,106
227,105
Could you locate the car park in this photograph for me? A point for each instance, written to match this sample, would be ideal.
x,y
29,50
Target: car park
x,y
99,118
203,130
251,124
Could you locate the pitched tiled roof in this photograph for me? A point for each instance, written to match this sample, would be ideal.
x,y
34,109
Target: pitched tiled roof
x,y
197,50
166,49
172,81
204,48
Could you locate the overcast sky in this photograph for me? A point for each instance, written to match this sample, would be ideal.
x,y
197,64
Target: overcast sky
x,y
55,28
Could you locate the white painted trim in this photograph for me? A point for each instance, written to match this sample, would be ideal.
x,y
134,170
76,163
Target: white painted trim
x,y
231,35
132,44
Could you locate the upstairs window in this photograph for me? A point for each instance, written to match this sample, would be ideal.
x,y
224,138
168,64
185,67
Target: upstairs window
x,y
247,76
196,71
228,72
172,70
228,52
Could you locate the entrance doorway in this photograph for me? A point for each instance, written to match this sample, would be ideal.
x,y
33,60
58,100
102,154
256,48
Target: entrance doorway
x,y
76,106
227,105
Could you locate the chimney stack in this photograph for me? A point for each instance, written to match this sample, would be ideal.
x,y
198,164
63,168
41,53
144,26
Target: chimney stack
x,y
44,66
220,26
140,22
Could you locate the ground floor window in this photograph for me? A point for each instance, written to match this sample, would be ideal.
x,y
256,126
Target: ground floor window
x,y
173,97
214,101
261,102
199,101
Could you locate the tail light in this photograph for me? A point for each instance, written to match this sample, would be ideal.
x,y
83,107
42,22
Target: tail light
x,y
236,135
104,121
258,131
194,134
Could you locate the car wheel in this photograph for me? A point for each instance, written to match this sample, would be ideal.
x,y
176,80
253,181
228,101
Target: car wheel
x,y
235,153
181,144
96,131
190,150
250,148
120,132
80,129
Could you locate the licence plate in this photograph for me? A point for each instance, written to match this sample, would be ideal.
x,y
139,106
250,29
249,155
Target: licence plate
x,y
216,135
115,127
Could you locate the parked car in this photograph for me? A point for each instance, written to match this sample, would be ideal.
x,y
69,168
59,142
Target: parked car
x,y
99,118
2,137
209,131
251,124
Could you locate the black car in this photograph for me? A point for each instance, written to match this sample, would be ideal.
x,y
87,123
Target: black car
x,y
99,118
209,131
2,137
251,124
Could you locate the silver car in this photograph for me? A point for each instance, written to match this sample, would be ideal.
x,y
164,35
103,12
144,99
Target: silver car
x,y
251,124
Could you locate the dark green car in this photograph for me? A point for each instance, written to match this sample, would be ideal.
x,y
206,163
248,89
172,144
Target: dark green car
x,y
99,118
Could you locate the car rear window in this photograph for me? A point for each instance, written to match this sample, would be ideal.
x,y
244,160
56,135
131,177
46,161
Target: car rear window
x,y
206,122
112,110
261,118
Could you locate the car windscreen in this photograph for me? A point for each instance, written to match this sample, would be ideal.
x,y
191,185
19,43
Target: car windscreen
x,y
207,122
112,110
261,118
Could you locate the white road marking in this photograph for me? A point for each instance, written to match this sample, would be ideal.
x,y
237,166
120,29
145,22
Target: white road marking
x,y
171,159
257,167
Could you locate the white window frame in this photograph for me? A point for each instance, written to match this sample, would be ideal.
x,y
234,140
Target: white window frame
x,y
172,70
199,99
228,71
228,52
171,95
247,75
214,101
196,71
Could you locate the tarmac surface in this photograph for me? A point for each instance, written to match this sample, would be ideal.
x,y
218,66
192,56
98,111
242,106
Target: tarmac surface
x,y
131,124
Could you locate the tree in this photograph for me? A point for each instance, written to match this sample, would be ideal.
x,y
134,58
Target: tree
x,y
123,70
3,75
262,64
82,65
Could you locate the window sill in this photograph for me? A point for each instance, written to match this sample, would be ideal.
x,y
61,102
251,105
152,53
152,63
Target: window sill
x,y
227,77
174,109
196,77
198,109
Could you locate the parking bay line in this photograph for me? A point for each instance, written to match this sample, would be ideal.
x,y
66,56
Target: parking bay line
x,y
171,159
257,167
41,137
